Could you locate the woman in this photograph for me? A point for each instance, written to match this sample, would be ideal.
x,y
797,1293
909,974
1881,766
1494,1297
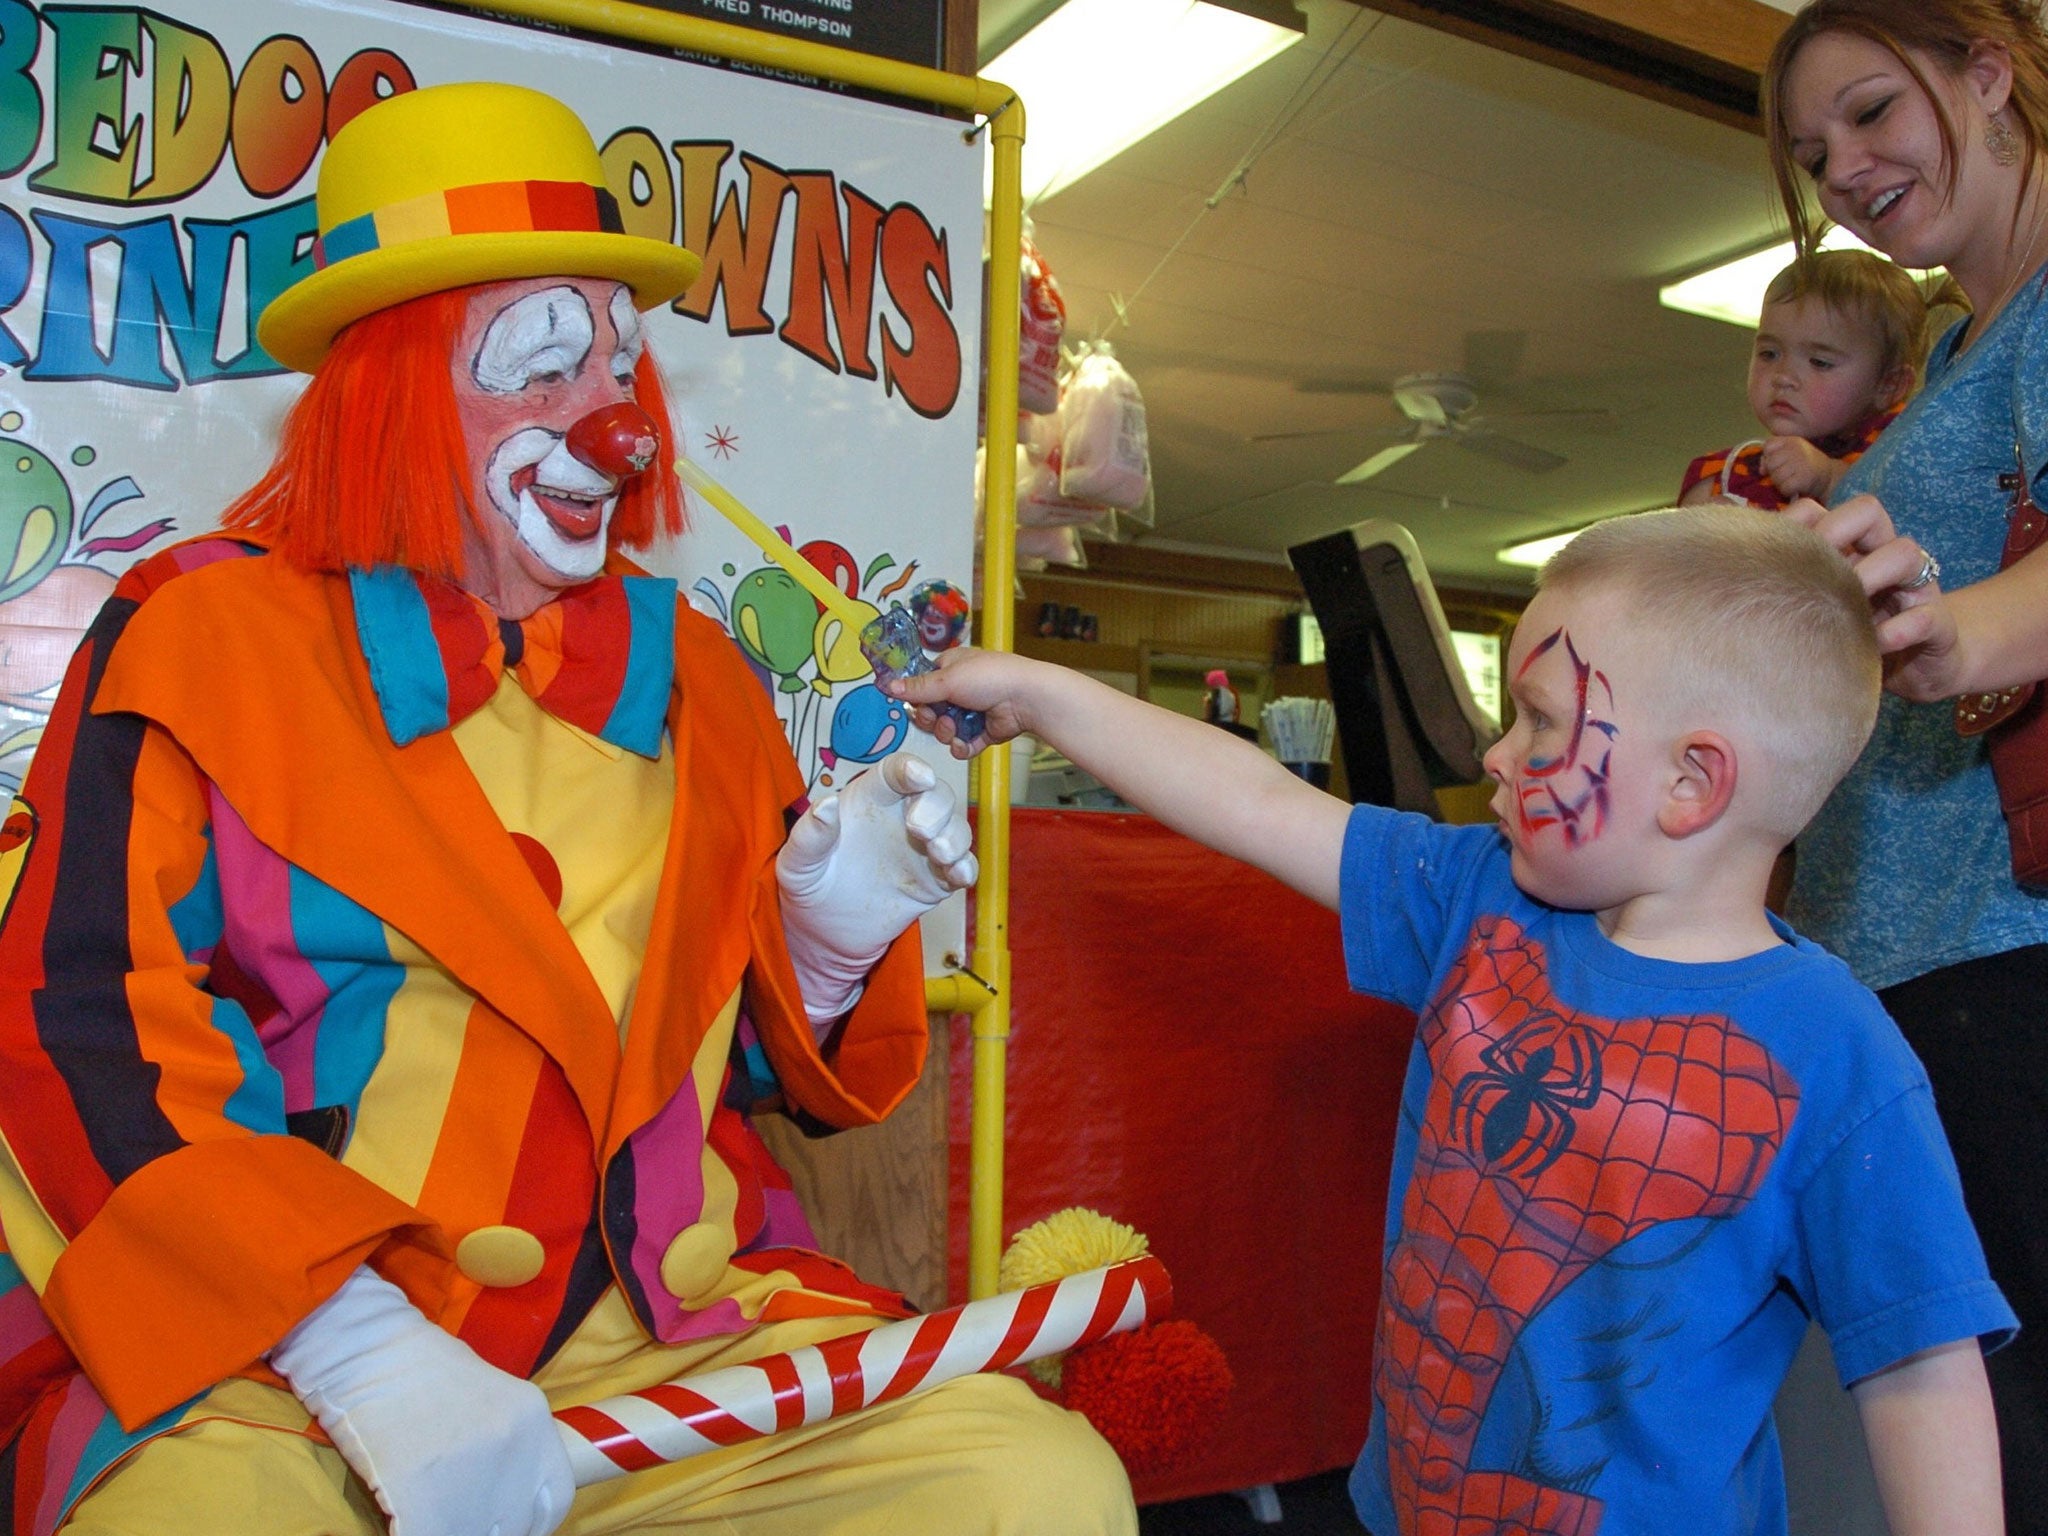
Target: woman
x,y
1920,125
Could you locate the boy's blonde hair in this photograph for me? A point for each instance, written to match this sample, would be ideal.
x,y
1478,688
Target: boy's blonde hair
x,y
1760,626
1867,289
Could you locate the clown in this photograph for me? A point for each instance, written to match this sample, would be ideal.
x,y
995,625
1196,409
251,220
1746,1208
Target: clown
x,y
941,611
410,903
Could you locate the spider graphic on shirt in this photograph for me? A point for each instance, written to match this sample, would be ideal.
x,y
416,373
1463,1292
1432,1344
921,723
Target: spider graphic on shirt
x,y
1550,1137
1514,1113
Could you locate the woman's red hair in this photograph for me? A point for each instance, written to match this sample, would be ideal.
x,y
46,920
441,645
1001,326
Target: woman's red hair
x,y
370,469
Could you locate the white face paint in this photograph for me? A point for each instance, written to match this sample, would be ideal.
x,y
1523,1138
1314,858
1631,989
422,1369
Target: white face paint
x,y
544,335
543,361
559,508
632,341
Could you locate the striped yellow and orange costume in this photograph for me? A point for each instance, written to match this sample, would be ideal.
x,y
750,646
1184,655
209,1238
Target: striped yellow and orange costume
x,y
408,970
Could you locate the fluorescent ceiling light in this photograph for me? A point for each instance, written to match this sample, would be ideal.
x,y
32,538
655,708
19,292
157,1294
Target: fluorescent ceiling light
x,y
1535,551
1734,291
1097,76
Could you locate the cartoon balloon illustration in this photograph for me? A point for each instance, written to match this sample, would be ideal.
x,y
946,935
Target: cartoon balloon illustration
x,y
837,645
868,725
836,563
773,619
35,517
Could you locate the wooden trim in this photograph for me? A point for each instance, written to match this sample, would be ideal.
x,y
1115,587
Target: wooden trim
x,y
1078,655
962,46
1704,56
1144,565
1737,33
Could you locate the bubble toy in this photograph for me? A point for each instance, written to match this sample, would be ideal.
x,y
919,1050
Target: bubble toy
x,y
889,642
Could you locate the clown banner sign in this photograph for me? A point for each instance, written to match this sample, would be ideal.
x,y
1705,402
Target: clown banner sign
x,y
158,168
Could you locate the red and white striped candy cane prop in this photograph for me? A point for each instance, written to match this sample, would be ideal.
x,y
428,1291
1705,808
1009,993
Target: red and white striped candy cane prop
x,y
821,1381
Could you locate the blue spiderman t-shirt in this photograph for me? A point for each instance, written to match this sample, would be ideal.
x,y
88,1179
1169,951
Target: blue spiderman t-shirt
x,y
1621,1187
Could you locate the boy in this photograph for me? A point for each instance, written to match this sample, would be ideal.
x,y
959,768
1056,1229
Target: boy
x,y
1647,1131
1839,348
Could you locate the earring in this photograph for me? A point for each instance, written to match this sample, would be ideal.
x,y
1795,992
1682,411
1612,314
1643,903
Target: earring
x,y
2000,142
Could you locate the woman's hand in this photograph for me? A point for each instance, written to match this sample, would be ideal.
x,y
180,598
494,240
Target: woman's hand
x,y
1917,632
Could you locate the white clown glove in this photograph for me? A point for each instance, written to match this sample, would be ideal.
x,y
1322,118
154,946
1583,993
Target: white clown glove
x,y
859,868
450,1445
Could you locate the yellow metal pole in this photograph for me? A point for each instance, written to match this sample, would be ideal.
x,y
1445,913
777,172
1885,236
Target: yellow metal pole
x,y
984,994
998,625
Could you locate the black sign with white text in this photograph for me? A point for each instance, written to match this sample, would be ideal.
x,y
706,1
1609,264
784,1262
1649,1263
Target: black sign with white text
x,y
912,31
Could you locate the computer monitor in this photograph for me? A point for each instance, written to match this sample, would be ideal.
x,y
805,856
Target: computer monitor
x,y
1405,717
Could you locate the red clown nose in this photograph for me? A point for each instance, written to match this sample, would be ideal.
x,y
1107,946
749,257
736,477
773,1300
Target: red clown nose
x,y
616,440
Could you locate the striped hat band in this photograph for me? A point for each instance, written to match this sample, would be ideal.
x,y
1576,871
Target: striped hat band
x,y
494,208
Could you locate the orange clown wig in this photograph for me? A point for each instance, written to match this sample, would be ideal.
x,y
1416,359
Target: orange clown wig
x,y
370,467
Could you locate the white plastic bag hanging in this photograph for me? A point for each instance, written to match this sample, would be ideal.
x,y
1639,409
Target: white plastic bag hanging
x,y
1041,501
1103,452
1039,547
1041,322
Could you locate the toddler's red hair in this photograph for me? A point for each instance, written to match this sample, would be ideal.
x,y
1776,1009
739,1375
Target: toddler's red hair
x,y
370,469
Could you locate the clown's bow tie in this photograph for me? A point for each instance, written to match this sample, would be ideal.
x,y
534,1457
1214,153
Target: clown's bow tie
x,y
601,656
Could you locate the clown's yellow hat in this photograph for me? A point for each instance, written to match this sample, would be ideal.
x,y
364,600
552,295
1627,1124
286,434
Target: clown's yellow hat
x,y
456,184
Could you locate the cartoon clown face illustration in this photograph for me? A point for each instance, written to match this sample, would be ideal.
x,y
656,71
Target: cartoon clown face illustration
x,y
544,391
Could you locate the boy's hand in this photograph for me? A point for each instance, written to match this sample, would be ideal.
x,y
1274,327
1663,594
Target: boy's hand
x,y
993,682
1798,468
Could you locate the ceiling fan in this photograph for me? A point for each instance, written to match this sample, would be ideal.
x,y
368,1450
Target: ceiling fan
x,y
1445,406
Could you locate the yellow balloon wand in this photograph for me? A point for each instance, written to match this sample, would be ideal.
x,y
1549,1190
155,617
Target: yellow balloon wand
x,y
890,642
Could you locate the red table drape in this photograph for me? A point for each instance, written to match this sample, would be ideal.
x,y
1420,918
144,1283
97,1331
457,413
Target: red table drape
x,y
1186,1057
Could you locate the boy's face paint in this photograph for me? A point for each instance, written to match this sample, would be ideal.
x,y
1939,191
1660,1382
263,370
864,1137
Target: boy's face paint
x,y
1556,766
537,356
1814,372
1562,779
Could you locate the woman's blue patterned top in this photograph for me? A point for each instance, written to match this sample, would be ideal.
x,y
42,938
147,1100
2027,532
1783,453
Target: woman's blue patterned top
x,y
1906,869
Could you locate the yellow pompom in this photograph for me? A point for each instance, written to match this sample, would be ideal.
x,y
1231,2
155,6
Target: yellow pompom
x,y
1066,1243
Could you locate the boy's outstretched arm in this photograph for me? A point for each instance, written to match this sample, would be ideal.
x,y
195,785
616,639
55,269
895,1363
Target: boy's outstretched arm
x,y
1934,1443
1201,781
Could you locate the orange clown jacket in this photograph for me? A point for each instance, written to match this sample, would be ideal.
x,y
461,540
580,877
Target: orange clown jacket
x,y
177,1193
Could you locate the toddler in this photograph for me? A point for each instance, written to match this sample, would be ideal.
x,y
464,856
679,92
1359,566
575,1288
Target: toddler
x,y
1647,1131
1839,348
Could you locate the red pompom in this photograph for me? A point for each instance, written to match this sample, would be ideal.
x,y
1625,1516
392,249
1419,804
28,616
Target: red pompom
x,y
1155,1394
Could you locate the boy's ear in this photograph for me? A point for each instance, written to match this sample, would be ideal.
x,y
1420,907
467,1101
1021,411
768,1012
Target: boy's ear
x,y
1703,785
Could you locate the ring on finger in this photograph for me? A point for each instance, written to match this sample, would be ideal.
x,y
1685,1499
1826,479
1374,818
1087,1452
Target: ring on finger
x,y
1929,572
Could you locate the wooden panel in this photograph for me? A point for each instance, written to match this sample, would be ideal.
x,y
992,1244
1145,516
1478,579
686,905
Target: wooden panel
x,y
1735,32
877,1196
1082,656
1171,618
1704,56
963,23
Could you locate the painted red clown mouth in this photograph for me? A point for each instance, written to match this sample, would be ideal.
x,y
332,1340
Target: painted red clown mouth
x,y
575,517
